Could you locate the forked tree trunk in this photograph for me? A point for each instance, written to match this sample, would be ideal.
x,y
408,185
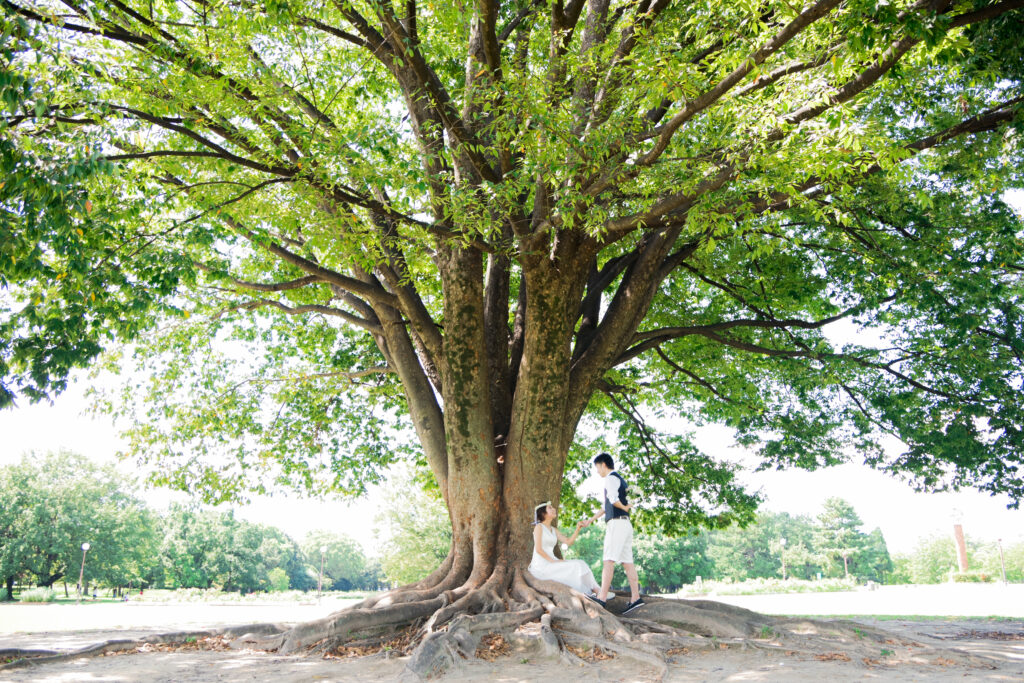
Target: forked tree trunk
x,y
490,502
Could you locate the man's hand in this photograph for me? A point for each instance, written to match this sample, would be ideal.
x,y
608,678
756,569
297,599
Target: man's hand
x,y
582,523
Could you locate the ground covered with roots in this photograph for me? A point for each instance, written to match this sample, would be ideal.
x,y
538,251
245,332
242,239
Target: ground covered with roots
x,y
430,632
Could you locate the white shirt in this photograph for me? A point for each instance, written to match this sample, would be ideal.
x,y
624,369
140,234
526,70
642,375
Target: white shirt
x,y
611,488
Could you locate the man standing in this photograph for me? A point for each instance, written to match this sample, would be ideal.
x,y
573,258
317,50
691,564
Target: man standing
x,y
618,535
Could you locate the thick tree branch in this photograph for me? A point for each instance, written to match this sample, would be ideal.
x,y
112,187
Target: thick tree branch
x,y
285,286
306,308
654,338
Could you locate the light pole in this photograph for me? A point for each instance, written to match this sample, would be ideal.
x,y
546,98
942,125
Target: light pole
x,y
320,581
782,554
81,573
1002,564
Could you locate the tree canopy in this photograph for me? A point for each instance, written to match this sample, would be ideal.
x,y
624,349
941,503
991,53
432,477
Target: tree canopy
x,y
322,223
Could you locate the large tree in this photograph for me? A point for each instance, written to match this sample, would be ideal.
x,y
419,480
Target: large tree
x,y
499,217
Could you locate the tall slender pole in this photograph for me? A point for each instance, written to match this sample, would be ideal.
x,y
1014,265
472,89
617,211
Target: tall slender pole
x,y
81,573
782,554
1002,564
320,581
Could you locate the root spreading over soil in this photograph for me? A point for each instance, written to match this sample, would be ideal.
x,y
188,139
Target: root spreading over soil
x,y
438,630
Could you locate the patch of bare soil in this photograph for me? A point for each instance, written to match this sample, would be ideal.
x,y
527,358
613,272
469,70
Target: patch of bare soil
x,y
837,651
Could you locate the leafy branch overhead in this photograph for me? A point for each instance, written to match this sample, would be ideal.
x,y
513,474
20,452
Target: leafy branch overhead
x,y
444,210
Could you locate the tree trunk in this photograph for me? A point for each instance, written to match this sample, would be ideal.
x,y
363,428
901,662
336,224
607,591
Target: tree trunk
x,y
961,547
9,588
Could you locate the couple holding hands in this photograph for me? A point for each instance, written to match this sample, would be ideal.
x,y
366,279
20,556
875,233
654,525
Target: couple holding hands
x,y
618,543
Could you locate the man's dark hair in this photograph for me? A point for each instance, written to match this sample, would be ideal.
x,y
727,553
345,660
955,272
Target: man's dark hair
x,y
606,460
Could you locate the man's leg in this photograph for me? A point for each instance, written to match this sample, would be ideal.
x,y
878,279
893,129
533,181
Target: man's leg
x,y
606,579
634,582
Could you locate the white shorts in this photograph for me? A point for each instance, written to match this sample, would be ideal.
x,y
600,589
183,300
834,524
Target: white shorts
x,y
618,541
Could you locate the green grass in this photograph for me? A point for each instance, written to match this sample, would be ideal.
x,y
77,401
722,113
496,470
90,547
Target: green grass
x,y
901,617
769,586
213,595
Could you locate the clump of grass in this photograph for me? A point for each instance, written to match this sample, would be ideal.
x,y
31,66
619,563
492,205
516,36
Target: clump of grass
x,y
38,595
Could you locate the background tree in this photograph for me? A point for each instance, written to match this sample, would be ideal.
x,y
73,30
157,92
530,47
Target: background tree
x,y
18,487
54,503
345,565
873,562
213,549
414,532
932,560
1013,560
666,563
755,551
496,219
839,538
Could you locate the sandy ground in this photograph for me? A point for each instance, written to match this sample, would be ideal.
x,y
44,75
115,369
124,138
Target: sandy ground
x,y
1000,645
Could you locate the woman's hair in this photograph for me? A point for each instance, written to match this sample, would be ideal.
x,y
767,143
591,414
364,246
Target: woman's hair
x,y
541,512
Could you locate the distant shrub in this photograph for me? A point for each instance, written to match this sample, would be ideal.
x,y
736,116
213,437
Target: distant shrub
x,y
38,595
278,580
972,577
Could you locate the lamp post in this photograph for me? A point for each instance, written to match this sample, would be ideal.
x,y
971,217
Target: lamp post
x,y
1002,564
320,581
81,573
782,554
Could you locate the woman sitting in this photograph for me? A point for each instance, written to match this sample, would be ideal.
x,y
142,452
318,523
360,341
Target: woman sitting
x,y
573,573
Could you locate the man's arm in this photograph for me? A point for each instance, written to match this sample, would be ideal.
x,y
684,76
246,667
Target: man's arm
x,y
611,492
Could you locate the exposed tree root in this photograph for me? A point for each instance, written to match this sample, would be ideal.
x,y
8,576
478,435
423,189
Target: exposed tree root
x,y
17,658
353,624
442,649
540,619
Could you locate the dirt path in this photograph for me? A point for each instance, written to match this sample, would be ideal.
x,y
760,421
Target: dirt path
x,y
985,650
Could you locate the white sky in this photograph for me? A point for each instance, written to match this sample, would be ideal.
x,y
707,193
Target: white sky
x,y
880,500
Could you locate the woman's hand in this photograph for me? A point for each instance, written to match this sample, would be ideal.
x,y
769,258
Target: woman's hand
x,y
581,524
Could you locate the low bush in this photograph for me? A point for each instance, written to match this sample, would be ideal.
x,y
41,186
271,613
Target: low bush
x,y
38,595
972,577
278,580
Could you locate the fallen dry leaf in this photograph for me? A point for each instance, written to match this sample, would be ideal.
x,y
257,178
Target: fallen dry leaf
x,y
593,655
833,657
492,646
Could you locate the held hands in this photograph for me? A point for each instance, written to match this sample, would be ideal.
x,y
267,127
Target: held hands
x,y
582,523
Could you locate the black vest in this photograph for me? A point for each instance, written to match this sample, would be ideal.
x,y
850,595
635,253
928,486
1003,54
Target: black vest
x,y
610,511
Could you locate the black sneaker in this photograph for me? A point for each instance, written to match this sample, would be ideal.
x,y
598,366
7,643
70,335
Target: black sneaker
x,y
639,602
594,598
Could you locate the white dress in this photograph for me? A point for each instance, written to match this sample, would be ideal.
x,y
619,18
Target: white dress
x,y
573,573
